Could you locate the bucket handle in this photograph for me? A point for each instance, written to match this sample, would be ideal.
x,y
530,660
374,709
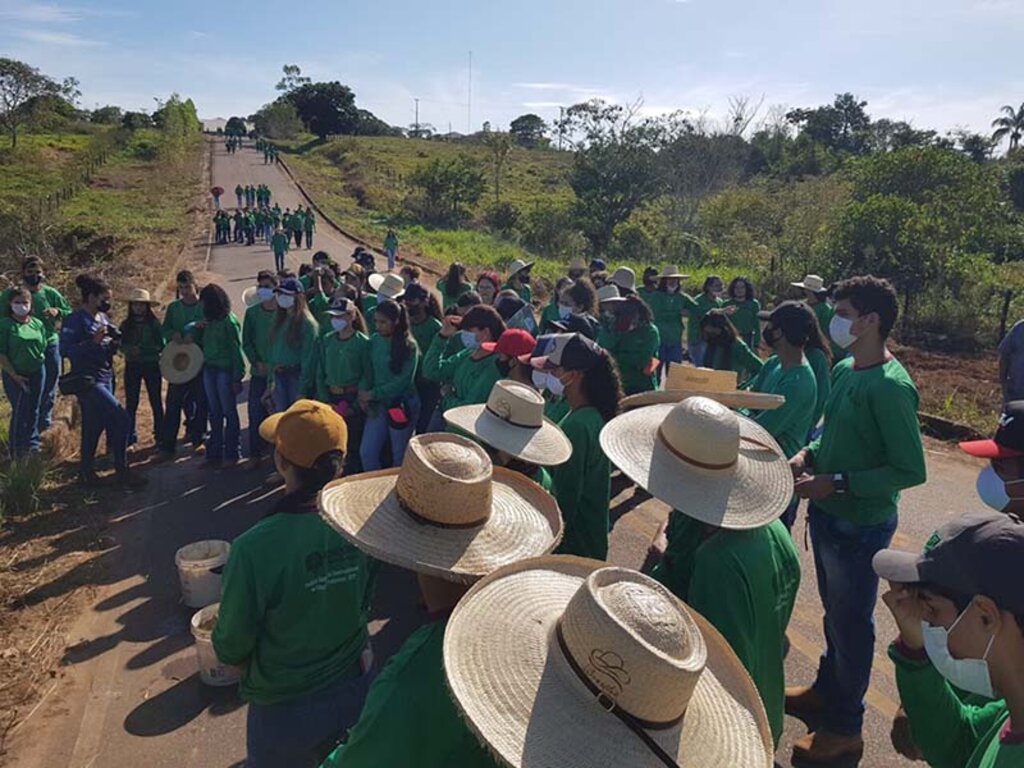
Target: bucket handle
x,y
218,570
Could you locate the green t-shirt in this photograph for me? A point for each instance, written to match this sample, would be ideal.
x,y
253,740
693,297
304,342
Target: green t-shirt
x,y
302,353
293,608
634,351
256,335
142,342
342,362
871,433
745,317
667,309
449,301
582,486
45,298
319,304
745,583
178,315
823,378
279,243
309,222
388,387
368,306
24,344
738,357
221,341
790,423
470,380
409,718
523,291
424,332
697,308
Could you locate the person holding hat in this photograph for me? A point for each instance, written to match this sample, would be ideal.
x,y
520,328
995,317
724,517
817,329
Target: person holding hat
x,y
742,296
667,305
292,345
564,661
577,268
487,285
558,308
727,556
453,285
633,340
293,612
816,294
189,397
452,517
256,328
220,337
22,359
572,366
142,341
869,451
724,349
959,609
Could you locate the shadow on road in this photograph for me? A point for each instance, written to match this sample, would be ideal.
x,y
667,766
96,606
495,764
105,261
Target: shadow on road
x,y
179,705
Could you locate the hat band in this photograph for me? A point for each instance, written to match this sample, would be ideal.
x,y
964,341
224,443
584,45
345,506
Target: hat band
x,y
680,455
407,508
635,724
497,415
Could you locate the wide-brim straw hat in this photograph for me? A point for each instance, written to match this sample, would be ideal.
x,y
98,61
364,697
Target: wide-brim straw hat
x,y
813,283
447,512
180,363
577,264
518,265
375,281
141,296
672,272
624,278
545,658
390,287
704,460
512,420
682,381
609,294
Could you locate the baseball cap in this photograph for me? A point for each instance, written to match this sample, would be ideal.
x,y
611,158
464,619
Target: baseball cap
x,y
1008,440
582,324
978,553
340,306
514,342
305,432
598,265
290,285
507,306
793,316
571,351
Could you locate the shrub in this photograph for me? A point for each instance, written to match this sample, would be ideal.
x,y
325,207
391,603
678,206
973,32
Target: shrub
x,y
502,217
20,485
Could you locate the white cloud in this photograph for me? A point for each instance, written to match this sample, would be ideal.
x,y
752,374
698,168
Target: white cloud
x,y
59,38
39,13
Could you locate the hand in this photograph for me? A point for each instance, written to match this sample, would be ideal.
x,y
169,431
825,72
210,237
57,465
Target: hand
x,y
906,608
52,312
200,324
365,396
21,381
902,739
799,464
99,334
450,326
730,310
814,487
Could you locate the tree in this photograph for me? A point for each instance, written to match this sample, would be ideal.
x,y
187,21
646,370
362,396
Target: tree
x,y
529,131
19,83
292,79
500,144
448,186
420,131
109,115
326,108
135,121
278,120
841,126
1009,125
235,126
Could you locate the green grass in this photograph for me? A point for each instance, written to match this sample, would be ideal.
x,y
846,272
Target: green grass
x,y
34,168
21,483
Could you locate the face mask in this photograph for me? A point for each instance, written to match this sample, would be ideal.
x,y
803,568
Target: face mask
x,y
469,339
672,287
104,306
33,280
524,279
564,312
769,337
416,311
839,331
971,675
21,309
339,323
504,367
264,294
285,301
543,380
992,488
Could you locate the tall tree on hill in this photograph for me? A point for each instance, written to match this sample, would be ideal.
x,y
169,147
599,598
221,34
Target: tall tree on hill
x,y
292,79
499,144
19,84
278,120
326,108
529,130
1009,125
841,126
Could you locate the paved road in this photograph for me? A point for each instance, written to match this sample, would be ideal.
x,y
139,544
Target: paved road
x,y
129,694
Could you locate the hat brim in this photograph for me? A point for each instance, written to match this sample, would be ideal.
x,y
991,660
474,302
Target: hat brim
x,y
545,446
755,401
613,300
898,566
250,297
751,493
375,281
988,449
170,355
674,276
518,694
268,427
524,522
523,268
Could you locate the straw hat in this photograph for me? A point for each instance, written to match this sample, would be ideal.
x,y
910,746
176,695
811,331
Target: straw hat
x,y
560,661
375,281
577,265
813,283
141,296
180,363
447,512
683,381
608,294
518,265
250,297
391,287
708,462
513,421
624,278
671,272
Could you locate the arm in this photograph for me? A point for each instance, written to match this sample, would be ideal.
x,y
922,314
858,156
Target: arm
x,y
745,359
240,613
237,361
437,367
249,343
307,379
800,399
894,408
321,369
397,384
60,303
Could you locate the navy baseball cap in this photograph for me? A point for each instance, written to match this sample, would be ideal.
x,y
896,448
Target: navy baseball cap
x,y
571,351
1008,440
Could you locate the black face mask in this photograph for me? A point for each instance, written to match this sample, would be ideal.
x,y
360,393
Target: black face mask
x,y
524,279
769,336
104,306
33,280
504,367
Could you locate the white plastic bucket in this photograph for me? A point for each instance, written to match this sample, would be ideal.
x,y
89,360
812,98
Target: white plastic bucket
x,y
211,670
199,569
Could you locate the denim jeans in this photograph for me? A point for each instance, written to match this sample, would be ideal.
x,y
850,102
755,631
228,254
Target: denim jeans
x,y
257,413
23,433
278,261
848,588
377,431
190,398
224,425
135,373
391,253
299,733
697,350
101,412
286,388
51,368
430,395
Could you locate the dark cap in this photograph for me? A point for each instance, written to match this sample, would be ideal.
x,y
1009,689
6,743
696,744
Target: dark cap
x,y
1009,438
978,553
584,325
507,306
570,351
290,285
598,265
795,319
340,305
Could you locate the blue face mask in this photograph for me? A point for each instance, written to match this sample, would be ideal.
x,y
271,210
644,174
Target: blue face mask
x,y
264,294
469,340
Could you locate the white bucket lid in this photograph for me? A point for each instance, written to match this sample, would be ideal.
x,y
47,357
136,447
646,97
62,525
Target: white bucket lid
x,y
203,554
204,620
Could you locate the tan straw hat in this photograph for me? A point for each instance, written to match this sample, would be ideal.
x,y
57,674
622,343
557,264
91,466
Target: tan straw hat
x,y
391,287
577,264
608,294
683,381
813,283
699,457
141,296
518,265
624,278
671,272
560,661
513,421
180,363
447,512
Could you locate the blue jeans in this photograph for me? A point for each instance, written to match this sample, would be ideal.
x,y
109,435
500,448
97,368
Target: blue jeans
x,y
101,412
23,433
848,588
51,370
299,733
224,425
135,373
697,350
391,253
278,261
430,395
257,413
190,398
286,388
377,431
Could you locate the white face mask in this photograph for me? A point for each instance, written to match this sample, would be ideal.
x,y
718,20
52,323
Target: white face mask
x,y
21,309
564,311
543,380
839,331
971,675
284,301
264,294
469,340
992,488
339,323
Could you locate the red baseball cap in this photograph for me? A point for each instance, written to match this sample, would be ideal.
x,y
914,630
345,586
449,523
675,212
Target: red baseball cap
x,y
1008,440
514,342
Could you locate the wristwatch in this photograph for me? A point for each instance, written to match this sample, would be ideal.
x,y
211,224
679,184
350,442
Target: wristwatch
x,y
840,482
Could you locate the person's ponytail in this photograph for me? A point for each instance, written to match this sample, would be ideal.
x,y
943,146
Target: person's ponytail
x,y
602,387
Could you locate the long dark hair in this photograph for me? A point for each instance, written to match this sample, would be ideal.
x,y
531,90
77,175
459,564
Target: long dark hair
x,y
456,276
300,316
486,317
401,343
816,340
583,294
750,288
635,307
311,480
602,386
130,320
216,302
91,285
708,282
725,339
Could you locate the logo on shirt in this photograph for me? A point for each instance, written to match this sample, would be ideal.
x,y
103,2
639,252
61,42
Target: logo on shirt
x,y
1005,420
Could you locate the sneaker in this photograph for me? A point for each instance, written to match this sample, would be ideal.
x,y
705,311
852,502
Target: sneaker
x,y
89,479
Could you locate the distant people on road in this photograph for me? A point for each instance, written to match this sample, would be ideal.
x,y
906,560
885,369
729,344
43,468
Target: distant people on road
x,y
142,341
391,249
309,227
280,245
23,344
239,195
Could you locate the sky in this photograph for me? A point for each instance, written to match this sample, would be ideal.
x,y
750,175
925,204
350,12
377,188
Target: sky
x,y
938,64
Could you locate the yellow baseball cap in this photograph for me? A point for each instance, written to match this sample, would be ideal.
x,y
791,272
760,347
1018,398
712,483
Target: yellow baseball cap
x,y
305,432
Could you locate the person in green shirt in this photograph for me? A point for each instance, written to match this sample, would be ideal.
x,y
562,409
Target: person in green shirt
x,y
575,367
725,350
820,358
634,343
298,223
23,343
142,341
293,612
558,308
256,327
869,451
453,285
816,294
220,336
391,249
581,299
292,345
190,397
425,320
239,194
668,303
519,280
709,298
741,295
467,376
309,227
487,285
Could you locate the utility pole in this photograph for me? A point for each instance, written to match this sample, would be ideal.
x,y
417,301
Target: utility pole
x,y
417,123
561,117
469,98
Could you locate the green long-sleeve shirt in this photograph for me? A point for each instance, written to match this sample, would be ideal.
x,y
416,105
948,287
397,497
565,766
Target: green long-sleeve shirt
x,y
286,354
47,297
221,341
24,344
424,332
582,486
822,378
737,357
342,362
634,351
387,385
279,243
142,342
470,380
178,315
871,433
523,291
696,309
293,608
667,310
256,336
449,301
745,317
790,423
949,732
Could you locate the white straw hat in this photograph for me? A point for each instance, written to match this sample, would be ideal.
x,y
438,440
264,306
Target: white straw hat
x,y
391,287
813,283
447,512
683,381
180,363
375,281
624,278
513,421
518,265
560,661
704,460
608,294
577,264
671,272
141,296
